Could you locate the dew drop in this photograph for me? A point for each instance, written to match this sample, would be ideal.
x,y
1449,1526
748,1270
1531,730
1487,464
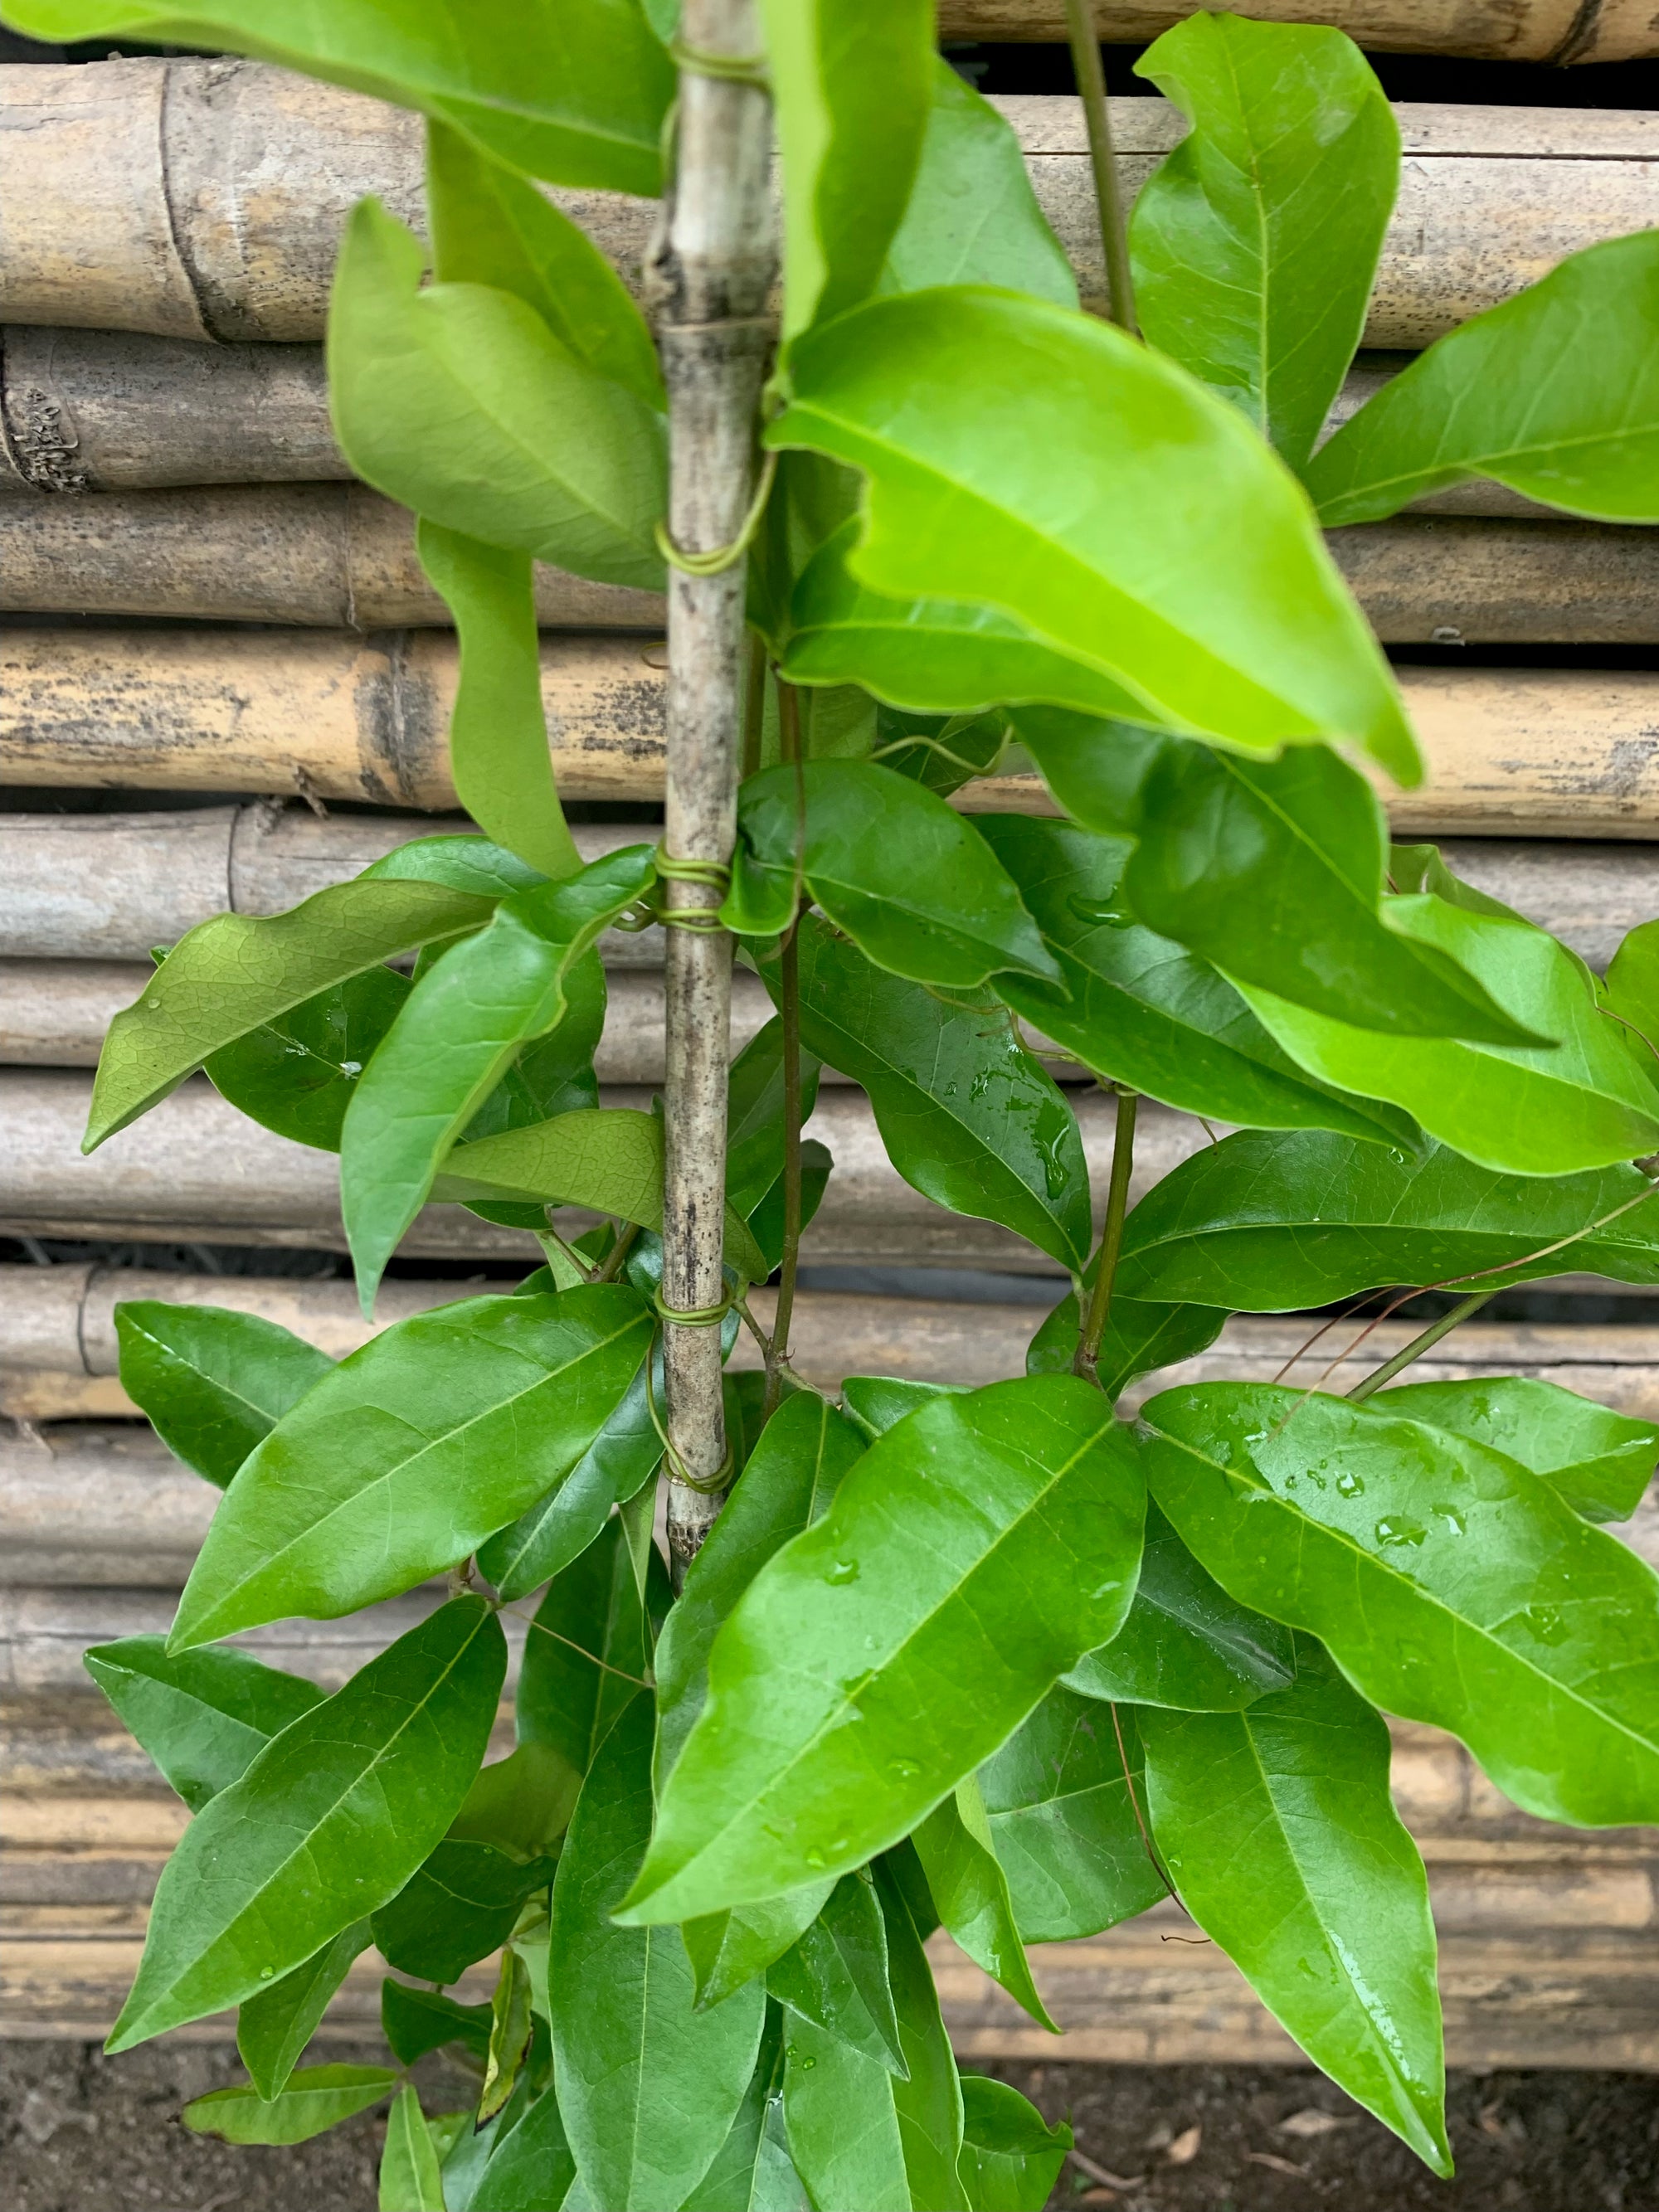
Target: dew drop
x,y
906,1770
1350,1485
1398,1529
841,1571
265,1973
351,1068
815,1859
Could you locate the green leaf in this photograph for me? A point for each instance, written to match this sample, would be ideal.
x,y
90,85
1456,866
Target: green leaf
x,y
1276,1827
851,88
1138,1339
274,2026
1123,515
214,1381
510,2034
766,1223
416,2020
295,1075
973,218
319,2098
458,401
989,1541
727,1950
1266,1223
943,751
461,860
1138,1009
753,2171
531,2167
229,975
969,1118
1256,241
1185,1643
465,1021
879,1402
754,1116
928,2097
835,1975
328,1823
1599,1461
575,95
648,2086
202,1716
401,1462
409,2178
1010,2158
1451,1585
458,1906
840,2124
587,1655
554,1074
1061,1798
523,1803
970,1892
1554,393
1632,984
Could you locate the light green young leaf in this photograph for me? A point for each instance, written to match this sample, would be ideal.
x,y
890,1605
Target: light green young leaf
x,y
274,2026
1599,1461
1277,1829
1632,984
458,401
410,2178
587,1657
328,1822
461,860
1125,516
202,1716
835,1975
214,1381
440,1431
318,2099
970,1892
1256,242
1554,393
1010,2158
295,1076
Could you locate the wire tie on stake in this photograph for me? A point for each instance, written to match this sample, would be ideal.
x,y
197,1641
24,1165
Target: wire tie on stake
x,y
709,1486
725,68
721,557
702,920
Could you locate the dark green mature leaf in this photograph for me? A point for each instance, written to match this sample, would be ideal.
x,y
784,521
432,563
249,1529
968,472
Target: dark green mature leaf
x,y
202,1716
1185,1643
274,2026
1599,1461
1256,242
410,2178
928,2097
1553,393
840,2124
416,2020
459,859
457,1906
317,2098
522,1803
458,401
754,1106
752,2170
988,1540
440,1431
1138,1339
967,1116
230,975
1265,1222
970,1893
1451,1585
835,1975
727,1950
586,1657
1138,1009
554,1074
1276,1827
1010,2158
215,1382
328,1823
1061,1797
943,751
575,95
766,1223
1130,520
531,2166
296,1075
648,2086
877,1403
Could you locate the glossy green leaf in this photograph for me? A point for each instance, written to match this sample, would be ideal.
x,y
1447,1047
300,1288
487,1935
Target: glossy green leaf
x,y
317,2098
835,1975
766,1223
531,2167
459,859
1451,1585
727,1950
458,401
1256,242
416,2020
457,1906
440,1431
1010,2158
409,2178
274,2026
943,751
752,2170
876,1403
553,1074
522,1803
327,1823
586,1657
202,1716
295,1075
1138,1339
1126,517
575,94
989,1541
971,1892
967,1116
214,1382
754,1109
1632,984
648,2086
928,2097
1553,393
1138,1009
1598,1460
840,2124
851,86
1185,1643
1277,1829
1271,1223
1061,1798
229,975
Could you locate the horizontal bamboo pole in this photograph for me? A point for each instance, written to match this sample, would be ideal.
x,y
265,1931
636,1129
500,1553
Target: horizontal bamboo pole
x,y
205,199
329,714
1559,31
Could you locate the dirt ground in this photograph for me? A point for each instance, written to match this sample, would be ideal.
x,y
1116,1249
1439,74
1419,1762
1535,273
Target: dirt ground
x,y
83,2133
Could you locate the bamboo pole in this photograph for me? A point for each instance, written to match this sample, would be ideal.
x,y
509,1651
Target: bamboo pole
x,y
1558,31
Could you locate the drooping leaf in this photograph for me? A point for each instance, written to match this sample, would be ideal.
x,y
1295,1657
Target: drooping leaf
x,y
1451,1585
1598,1460
1123,514
554,1074
438,1433
754,1108
510,2034
971,1892
648,2086
840,2124
295,1075
410,2178
416,2020
587,1655
987,1542
327,1823
1553,393
214,1382
928,2099
530,2166
1139,1337
766,1223
456,1908
1276,1827
752,2170
835,1975
316,2098
1256,242
202,1716
1010,2158
274,2026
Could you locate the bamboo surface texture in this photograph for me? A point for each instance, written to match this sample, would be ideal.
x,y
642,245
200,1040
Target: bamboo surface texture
x,y
1558,31
205,199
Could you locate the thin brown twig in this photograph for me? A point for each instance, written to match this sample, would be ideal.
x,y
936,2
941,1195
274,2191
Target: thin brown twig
x,y
1157,1865
619,1251
542,1628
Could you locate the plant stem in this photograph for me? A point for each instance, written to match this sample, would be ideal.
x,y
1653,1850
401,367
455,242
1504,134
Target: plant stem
x,y
777,1355
754,704
711,267
1086,1360
1084,34
611,1267
1419,1344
